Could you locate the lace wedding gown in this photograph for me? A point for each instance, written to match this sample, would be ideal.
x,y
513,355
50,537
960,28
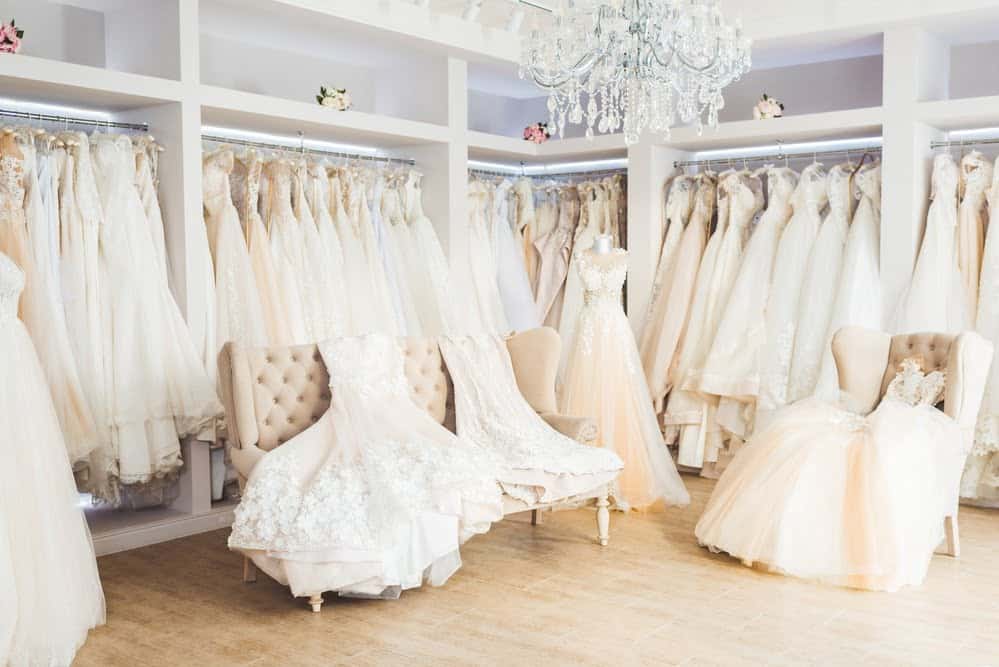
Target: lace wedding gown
x,y
818,290
604,381
671,298
535,463
515,288
732,368
374,498
935,300
981,475
790,267
475,271
322,252
976,178
431,287
827,494
555,249
398,252
49,587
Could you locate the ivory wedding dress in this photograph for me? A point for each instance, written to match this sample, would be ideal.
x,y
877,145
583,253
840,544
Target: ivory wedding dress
x,y
604,381
146,184
732,368
556,253
981,475
523,192
323,249
374,498
671,300
535,463
320,280
976,177
790,267
431,281
406,318
511,275
827,494
475,271
50,592
286,249
935,299
818,290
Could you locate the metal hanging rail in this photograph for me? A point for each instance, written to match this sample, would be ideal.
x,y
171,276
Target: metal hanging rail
x,y
70,120
584,175
305,150
963,142
731,161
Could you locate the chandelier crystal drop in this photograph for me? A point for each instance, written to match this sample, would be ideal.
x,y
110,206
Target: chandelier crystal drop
x,y
633,65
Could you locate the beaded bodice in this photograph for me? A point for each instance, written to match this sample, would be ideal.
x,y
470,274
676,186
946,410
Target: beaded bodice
x,y
840,201
369,367
11,285
914,387
680,200
602,276
945,177
215,189
812,192
868,183
11,186
781,183
976,177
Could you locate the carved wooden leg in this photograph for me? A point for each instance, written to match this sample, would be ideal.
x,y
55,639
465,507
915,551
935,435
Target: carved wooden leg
x,y
603,520
249,571
316,602
953,539
536,517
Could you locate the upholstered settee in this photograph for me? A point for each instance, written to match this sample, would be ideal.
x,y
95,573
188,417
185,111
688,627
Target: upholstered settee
x,y
868,360
272,394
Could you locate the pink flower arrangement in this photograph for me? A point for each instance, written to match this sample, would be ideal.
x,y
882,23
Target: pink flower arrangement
x,y
10,37
538,133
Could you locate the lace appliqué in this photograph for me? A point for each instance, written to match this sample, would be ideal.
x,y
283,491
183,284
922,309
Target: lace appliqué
x,y
914,387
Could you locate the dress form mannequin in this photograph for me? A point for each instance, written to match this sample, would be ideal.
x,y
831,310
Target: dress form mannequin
x,y
603,244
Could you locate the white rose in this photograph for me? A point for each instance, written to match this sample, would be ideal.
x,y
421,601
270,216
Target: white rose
x,y
757,114
328,101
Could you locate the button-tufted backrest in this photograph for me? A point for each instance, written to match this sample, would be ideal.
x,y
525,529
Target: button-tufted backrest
x,y
429,382
932,348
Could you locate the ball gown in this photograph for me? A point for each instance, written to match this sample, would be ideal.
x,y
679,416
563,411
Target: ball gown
x,y
827,494
604,381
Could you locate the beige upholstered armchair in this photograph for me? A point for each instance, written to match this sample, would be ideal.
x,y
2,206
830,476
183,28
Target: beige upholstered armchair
x,y
272,394
866,361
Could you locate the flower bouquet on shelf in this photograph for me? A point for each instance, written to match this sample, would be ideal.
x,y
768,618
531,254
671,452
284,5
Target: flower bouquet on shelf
x,y
768,107
538,133
337,98
10,37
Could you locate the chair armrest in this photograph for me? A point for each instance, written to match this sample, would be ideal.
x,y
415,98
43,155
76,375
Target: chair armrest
x,y
580,429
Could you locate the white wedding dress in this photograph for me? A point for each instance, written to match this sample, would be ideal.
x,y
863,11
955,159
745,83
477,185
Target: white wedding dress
x,y
535,463
818,290
790,267
511,274
50,592
475,271
934,300
374,498
605,382
976,178
431,282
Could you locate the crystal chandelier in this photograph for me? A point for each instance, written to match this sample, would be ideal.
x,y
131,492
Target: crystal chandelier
x,y
635,64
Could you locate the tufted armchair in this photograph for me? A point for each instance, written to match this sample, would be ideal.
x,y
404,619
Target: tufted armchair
x,y
866,361
272,394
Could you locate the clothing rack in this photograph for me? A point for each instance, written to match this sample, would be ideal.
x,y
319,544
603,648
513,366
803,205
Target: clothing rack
x,y
305,150
70,120
963,142
583,175
848,152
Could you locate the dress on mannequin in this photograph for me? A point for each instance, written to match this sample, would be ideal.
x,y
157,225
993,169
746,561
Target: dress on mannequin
x,y
49,583
976,178
935,299
825,493
732,368
604,381
667,320
790,267
812,341
376,497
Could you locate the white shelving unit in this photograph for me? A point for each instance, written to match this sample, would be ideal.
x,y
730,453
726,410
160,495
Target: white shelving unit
x,y
914,110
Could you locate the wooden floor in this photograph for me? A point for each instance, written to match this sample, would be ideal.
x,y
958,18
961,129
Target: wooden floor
x,y
548,595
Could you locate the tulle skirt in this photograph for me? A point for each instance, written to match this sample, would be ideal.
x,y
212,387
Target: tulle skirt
x,y
50,592
604,380
825,494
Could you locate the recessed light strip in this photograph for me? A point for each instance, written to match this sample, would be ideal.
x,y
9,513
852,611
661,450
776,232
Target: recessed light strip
x,y
552,168
287,141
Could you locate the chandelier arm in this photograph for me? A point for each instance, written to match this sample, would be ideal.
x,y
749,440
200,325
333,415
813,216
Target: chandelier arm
x,y
583,66
711,65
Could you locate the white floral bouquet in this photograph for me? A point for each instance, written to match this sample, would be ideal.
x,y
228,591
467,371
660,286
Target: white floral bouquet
x,y
768,107
10,37
337,98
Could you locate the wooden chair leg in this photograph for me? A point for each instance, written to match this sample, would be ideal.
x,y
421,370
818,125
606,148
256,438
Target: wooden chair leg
x,y
316,602
536,517
603,520
951,534
249,571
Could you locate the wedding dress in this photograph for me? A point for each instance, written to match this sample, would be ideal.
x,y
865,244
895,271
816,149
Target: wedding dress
x,y
50,592
827,494
158,387
287,251
374,498
976,177
732,368
511,275
981,475
935,299
818,290
401,306
523,193
239,315
670,304
42,317
320,290
151,204
245,187
386,317
555,249
431,280
475,270
790,267
858,297
535,463
604,381
328,252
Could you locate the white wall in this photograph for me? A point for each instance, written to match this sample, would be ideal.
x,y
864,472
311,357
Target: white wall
x,y
974,70
58,31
